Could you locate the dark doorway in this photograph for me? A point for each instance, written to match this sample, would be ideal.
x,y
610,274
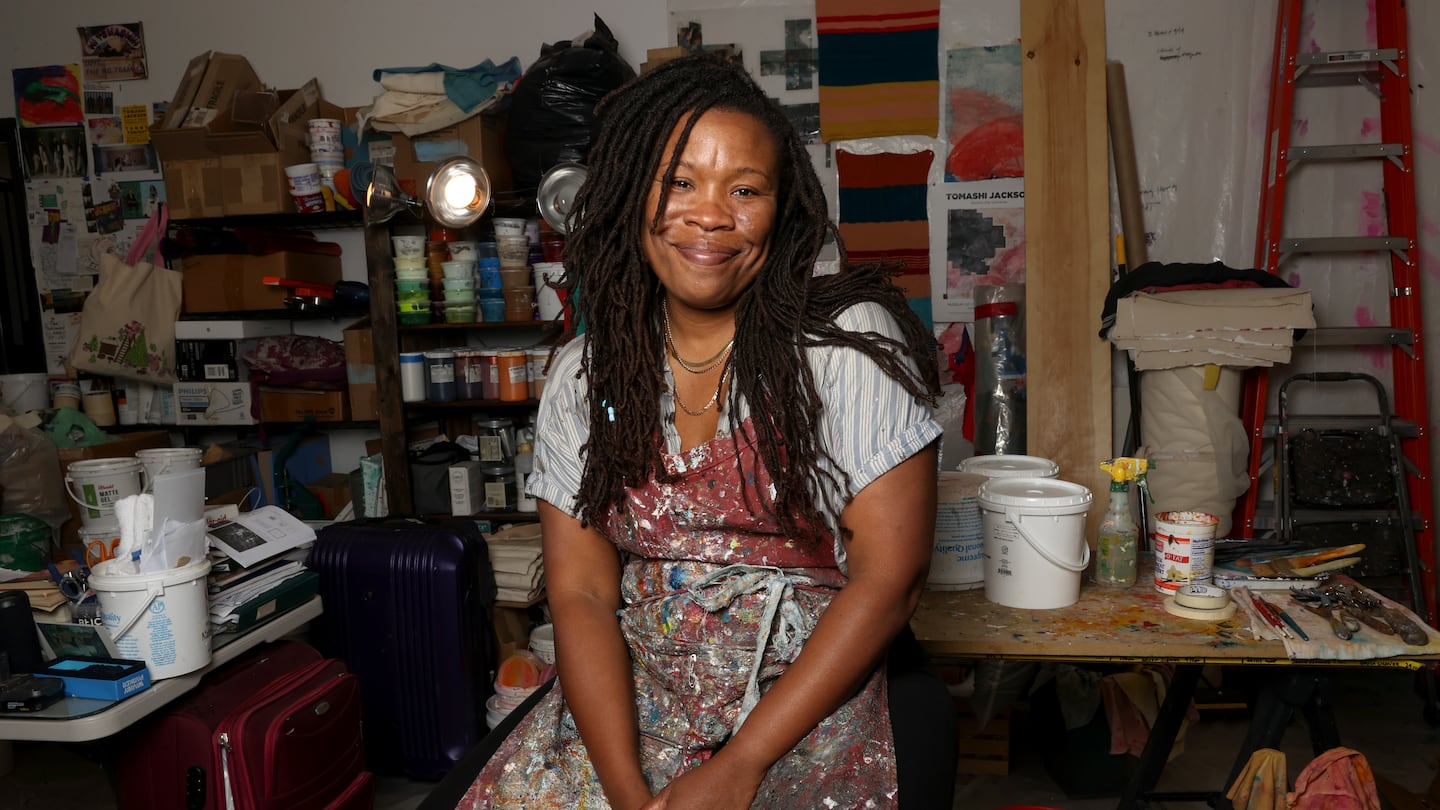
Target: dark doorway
x,y
22,349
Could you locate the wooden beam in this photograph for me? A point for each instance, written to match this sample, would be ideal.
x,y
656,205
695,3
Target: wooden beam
x,y
1067,227
384,335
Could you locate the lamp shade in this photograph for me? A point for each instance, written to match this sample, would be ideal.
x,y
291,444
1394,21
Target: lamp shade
x,y
384,197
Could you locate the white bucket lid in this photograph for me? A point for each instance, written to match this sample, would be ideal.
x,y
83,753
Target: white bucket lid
x,y
1011,466
1035,495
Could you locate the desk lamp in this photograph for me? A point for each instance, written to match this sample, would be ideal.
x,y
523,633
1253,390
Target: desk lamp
x,y
456,194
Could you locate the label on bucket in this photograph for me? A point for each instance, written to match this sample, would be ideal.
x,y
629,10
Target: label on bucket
x,y
1184,549
958,558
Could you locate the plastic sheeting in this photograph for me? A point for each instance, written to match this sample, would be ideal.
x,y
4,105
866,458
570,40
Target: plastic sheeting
x,y
1000,369
1195,441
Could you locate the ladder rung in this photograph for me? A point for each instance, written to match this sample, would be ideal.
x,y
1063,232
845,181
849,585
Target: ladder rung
x,y
1357,336
1352,515
1343,244
1404,428
1364,74
1346,151
1347,57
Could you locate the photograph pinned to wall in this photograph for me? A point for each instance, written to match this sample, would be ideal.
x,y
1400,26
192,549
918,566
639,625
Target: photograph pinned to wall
x,y
158,110
797,61
108,216
99,101
105,130
126,158
982,113
131,203
59,331
53,152
152,194
48,95
113,52
136,121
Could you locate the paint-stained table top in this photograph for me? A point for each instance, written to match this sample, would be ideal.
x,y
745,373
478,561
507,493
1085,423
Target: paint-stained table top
x,y
1123,625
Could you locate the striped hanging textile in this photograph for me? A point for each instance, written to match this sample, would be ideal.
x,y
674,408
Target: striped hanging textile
x,y
879,68
883,213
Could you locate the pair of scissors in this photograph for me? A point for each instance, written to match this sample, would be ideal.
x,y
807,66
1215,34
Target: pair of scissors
x,y
98,551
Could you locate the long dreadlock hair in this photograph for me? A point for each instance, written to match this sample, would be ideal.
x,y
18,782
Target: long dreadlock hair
x,y
785,311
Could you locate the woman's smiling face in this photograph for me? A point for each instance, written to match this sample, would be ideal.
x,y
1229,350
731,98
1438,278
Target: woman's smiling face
x,y
714,235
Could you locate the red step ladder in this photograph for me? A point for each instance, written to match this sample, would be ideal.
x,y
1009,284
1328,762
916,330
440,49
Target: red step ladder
x,y
1384,70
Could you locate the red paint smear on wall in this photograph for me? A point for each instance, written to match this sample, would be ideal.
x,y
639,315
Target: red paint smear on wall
x,y
1369,126
1377,355
1372,213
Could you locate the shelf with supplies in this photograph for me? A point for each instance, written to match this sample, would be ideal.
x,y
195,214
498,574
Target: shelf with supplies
x,y
473,404
318,221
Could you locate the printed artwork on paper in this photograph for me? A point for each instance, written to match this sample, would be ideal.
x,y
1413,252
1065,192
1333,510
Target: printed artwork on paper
x,y
53,152
982,113
48,95
113,52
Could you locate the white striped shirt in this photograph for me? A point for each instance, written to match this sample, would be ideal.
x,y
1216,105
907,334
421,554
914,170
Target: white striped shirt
x,y
870,423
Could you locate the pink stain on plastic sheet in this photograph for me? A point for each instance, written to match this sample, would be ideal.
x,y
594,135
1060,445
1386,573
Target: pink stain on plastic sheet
x,y
1429,226
1377,355
1370,31
1293,279
1428,141
1372,213
1369,126
1302,126
1307,27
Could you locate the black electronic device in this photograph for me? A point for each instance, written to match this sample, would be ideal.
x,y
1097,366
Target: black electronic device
x,y
18,638
27,693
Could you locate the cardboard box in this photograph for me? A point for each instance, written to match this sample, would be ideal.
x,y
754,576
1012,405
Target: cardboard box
x,y
360,371
233,282
480,136
194,186
210,403
111,679
211,360
334,490
253,157
466,489
295,404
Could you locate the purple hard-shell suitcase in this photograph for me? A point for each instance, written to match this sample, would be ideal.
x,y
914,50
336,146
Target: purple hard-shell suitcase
x,y
408,607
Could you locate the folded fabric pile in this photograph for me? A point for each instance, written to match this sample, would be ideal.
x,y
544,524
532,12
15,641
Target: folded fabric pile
x,y
1241,327
417,100
519,566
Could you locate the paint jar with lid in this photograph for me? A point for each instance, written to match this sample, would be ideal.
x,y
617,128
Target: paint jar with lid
x,y
440,375
537,358
495,438
513,376
469,374
412,376
488,358
499,486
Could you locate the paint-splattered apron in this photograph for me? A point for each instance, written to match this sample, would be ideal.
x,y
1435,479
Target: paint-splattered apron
x,y
706,585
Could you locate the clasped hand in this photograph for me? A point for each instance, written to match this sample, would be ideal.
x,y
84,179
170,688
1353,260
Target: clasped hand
x,y
716,784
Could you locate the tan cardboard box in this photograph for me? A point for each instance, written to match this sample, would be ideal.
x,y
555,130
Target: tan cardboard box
x,y
233,282
480,136
295,404
360,371
193,184
253,157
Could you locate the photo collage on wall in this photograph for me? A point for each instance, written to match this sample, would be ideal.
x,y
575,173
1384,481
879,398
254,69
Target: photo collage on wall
x,y
91,171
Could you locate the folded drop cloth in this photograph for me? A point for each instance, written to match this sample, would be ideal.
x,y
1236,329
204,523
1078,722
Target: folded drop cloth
x,y
417,100
1241,327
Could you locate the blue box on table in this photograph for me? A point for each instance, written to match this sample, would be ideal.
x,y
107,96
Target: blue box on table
x,y
98,678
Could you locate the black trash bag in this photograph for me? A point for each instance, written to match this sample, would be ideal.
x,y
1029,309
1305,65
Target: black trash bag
x,y
552,110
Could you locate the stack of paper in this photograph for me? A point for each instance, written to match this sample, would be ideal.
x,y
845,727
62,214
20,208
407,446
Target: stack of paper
x,y
1240,327
519,566
252,556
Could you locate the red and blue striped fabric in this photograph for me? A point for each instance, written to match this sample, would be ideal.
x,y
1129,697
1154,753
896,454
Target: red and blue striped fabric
x,y
879,68
883,213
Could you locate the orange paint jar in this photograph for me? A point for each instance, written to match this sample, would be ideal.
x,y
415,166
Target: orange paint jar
x,y
512,370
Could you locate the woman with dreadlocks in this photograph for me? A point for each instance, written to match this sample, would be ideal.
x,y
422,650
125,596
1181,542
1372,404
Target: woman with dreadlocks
x,y
736,470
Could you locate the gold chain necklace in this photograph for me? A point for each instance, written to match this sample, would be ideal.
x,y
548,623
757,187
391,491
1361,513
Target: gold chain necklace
x,y
714,398
692,367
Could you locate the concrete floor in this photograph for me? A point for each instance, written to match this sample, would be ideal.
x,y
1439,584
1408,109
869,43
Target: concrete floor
x,y
1378,713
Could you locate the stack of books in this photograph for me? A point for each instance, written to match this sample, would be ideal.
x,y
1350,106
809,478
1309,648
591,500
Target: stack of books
x,y
519,566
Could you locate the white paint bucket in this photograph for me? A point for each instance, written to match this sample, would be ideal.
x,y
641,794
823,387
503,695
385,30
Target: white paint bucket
x,y
1035,549
542,643
98,484
162,618
957,561
1010,466
25,392
162,460
1184,544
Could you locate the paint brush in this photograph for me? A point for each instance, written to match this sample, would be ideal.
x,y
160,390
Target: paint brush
x,y
1268,616
1285,617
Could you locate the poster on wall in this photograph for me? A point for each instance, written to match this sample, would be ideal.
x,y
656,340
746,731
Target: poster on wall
x,y
978,210
113,52
48,95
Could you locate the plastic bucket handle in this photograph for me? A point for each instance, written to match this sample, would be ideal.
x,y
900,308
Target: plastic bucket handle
x,y
1013,516
154,589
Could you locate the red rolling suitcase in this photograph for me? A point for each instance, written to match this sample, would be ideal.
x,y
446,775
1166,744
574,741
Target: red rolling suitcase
x,y
172,761
408,607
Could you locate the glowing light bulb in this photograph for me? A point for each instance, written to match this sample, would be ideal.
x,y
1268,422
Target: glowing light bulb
x,y
460,191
